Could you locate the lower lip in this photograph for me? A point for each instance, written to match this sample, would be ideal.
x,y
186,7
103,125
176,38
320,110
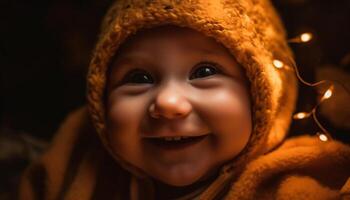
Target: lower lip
x,y
176,145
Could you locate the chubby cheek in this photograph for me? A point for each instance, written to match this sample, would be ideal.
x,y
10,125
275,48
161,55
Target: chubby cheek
x,y
124,115
227,112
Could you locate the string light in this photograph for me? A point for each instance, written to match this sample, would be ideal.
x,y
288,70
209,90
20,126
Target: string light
x,y
305,37
301,115
278,64
328,93
323,137
302,38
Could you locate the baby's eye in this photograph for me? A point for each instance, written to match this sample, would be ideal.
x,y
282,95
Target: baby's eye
x,y
138,77
204,70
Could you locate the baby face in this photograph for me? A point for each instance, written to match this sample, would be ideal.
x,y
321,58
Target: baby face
x,y
177,105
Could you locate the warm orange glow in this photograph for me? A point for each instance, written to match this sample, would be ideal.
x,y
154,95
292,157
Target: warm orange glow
x,y
323,137
300,115
302,38
278,64
305,37
328,94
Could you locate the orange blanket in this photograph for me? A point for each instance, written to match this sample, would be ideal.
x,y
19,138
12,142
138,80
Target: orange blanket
x,y
76,167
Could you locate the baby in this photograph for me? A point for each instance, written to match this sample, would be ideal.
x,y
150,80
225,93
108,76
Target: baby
x,y
178,105
186,104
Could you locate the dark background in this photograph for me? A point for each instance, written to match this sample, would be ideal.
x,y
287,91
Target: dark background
x,y
45,48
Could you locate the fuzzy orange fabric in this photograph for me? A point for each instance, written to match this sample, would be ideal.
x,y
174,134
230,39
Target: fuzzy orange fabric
x,y
80,164
76,167
250,30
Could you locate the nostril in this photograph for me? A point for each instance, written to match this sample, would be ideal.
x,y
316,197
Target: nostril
x,y
156,113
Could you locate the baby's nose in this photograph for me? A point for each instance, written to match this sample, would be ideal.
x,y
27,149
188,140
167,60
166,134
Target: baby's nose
x,y
170,104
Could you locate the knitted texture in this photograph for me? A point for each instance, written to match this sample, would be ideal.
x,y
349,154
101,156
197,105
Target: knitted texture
x,y
249,29
76,167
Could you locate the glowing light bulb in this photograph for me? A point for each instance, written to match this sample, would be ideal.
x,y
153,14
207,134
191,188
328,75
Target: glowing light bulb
x,y
300,115
328,94
278,64
323,137
305,37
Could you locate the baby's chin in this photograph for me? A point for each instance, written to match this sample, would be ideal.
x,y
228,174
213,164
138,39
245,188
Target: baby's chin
x,y
180,177
179,181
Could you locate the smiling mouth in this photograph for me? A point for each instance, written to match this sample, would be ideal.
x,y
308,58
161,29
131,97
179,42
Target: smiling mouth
x,y
177,142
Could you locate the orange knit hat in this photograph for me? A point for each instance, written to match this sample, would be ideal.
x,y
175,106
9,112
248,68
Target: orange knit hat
x,y
250,29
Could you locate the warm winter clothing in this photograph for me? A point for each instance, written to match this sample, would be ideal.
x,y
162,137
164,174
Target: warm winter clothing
x,y
79,166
